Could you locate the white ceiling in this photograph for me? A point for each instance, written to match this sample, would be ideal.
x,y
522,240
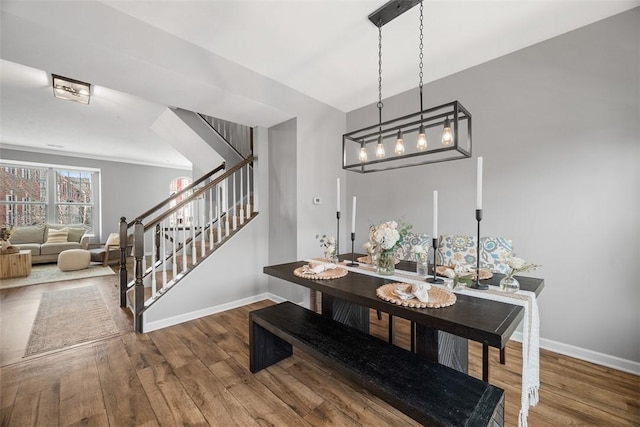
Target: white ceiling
x,y
324,49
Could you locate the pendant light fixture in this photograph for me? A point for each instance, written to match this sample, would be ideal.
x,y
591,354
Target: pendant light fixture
x,y
449,123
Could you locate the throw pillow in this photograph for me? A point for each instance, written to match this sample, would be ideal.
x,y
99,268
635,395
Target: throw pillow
x,y
28,234
57,236
75,234
113,240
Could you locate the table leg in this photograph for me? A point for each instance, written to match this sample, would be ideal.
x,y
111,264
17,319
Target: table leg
x,y
343,311
485,362
441,347
391,324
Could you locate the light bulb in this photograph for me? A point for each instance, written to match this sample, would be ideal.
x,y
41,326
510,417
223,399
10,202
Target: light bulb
x,y
380,149
447,134
399,143
363,155
422,139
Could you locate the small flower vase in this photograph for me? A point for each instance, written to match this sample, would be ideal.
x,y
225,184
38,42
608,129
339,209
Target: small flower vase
x,y
509,284
332,256
373,258
422,265
386,262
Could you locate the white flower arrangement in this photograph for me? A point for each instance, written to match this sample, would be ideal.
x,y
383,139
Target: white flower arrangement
x,y
388,235
518,265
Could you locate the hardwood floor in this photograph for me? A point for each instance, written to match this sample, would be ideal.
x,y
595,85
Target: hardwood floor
x,y
197,374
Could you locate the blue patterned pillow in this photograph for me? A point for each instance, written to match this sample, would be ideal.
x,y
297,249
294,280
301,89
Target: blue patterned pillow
x,y
494,252
414,239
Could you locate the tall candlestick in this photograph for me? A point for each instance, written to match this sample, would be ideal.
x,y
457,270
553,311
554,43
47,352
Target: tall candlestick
x,y
338,194
435,214
353,216
479,183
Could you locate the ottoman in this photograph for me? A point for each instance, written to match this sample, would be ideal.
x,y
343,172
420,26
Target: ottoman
x,y
74,259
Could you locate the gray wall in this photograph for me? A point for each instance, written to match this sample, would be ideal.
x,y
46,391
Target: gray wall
x,y
283,216
127,189
558,127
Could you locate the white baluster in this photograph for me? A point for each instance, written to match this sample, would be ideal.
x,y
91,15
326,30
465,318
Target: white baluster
x,y
241,200
235,206
184,242
219,211
163,244
153,269
203,234
211,219
226,205
174,244
194,220
249,192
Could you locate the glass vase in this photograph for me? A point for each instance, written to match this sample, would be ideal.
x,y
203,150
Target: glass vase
x,y
509,284
422,265
386,262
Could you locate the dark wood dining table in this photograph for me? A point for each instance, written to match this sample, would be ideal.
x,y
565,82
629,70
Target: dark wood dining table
x,y
441,333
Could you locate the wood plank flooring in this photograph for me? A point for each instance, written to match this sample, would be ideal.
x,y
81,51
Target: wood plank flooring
x,y
197,374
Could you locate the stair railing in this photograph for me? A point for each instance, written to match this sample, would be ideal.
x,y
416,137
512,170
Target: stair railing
x,y
179,236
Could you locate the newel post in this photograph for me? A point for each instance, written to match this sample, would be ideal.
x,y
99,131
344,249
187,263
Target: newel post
x,y
138,253
123,261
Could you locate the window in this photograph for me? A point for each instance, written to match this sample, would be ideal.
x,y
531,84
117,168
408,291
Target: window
x,y
33,193
184,215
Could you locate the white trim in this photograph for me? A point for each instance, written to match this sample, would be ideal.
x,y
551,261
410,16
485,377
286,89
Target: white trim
x,y
176,320
93,157
587,355
47,165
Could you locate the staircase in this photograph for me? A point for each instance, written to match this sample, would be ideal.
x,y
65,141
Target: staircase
x,y
171,239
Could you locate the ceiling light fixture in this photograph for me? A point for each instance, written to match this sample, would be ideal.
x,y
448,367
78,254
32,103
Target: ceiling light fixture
x,y
449,123
70,89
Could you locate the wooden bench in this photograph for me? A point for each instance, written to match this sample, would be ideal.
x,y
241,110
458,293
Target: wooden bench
x,y
428,392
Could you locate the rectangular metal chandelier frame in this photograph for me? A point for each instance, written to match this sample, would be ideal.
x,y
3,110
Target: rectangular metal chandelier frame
x,y
430,118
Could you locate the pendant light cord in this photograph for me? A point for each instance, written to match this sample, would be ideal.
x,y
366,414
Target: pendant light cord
x,y
380,76
421,60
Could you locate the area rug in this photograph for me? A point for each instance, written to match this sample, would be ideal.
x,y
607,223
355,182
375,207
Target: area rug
x,y
70,317
47,273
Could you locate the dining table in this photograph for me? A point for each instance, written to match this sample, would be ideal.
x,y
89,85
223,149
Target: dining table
x,y
441,334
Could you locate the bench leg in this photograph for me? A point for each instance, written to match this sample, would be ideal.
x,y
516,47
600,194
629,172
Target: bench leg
x,y
391,324
265,348
485,362
503,356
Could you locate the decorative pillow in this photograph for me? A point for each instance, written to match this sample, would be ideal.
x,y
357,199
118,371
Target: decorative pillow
x,y
57,236
113,240
75,234
28,234
454,250
415,239
494,252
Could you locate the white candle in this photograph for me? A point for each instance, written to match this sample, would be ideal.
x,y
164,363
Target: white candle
x,y
353,216
338,193
435,214
479,183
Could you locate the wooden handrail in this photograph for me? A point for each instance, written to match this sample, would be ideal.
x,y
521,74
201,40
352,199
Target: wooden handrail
x,y
197,193
175,195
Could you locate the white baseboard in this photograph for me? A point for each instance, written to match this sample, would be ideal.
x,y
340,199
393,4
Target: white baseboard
x,y
555,346
587,355
176,320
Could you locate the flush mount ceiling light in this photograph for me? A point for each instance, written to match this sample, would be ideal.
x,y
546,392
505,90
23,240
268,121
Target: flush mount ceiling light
x,y
432,135
71,90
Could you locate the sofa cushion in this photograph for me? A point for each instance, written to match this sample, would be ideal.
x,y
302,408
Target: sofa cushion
x,y
33,247
76,231
56,248
28,234
57,236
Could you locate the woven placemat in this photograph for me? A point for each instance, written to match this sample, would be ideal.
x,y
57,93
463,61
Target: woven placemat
x,y
364,259
325,275
484,273
438,297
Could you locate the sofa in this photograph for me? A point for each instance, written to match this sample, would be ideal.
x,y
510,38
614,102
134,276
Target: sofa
x,y
46,241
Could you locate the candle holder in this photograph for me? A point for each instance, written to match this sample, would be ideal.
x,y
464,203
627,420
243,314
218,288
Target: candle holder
x,y
435,279
338,232
477,284
353,262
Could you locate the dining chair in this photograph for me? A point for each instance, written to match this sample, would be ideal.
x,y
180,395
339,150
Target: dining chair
x,y
494,254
